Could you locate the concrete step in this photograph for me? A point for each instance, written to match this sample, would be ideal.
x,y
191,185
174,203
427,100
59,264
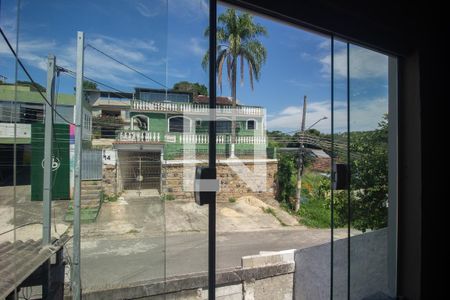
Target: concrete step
x,y
93,198
90,193
91,187
90,203
84,206
91,183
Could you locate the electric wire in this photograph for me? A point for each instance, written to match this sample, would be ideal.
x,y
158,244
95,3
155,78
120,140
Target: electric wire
x,y
126,66
28,74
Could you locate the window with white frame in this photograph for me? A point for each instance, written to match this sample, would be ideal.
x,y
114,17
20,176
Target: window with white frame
x,y
179,124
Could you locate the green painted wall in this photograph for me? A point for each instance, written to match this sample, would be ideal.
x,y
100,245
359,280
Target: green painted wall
x,y
159,123
7,93
61,175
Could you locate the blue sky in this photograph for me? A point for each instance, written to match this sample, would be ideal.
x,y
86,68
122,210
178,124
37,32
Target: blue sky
x,y
164,39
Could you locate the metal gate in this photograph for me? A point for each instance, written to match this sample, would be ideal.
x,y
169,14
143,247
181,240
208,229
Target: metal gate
x,y
91,164
141,170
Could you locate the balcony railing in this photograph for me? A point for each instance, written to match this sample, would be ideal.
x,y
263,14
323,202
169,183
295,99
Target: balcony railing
x,y
183,138
137,136
139,105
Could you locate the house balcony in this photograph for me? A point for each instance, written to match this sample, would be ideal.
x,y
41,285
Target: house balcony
x,y
140,136
194,108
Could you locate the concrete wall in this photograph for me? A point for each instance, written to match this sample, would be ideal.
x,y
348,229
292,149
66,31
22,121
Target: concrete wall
x,y
291,274
368,272
268,276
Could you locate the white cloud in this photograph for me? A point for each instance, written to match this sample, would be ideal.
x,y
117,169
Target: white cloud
x,y
308,84
29,50
364,63
193,9
133,52
364,115
187,9
130,50
150,11
324,45
195,47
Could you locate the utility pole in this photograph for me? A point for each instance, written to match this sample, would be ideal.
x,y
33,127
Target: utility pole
x,y
76,277
48,151
301,151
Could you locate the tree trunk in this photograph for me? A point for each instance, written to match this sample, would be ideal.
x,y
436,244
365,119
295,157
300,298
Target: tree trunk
x,y
233,113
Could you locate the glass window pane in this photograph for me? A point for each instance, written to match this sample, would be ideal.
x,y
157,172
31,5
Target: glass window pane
x,y
274,171
369,195
340,157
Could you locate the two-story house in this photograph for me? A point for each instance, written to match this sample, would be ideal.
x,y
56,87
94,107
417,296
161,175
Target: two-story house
x,y
160,126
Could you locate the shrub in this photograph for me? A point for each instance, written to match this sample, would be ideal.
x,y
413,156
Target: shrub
x,y
315,213
167,197
108,197
286,179
369,181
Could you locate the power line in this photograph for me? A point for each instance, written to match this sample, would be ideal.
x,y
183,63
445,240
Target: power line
x,y
29,76
125,65
118,92
73,74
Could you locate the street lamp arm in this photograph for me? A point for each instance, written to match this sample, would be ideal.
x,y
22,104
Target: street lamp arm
x,y
323,118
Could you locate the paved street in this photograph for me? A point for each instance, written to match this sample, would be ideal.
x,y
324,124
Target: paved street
x,y
130,260
126,243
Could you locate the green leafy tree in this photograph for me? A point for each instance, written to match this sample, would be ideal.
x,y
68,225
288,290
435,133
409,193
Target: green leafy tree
x,y
313,131
369,181
237,38
278,138
194,88
286,179
89,85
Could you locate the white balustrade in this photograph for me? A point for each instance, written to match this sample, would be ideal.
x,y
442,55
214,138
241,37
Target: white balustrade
x,y
188,138
193,107
138,136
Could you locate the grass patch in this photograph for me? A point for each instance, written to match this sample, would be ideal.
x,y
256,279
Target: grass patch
x,y
87,215
167,197
232,200
271,211
315,213
108,197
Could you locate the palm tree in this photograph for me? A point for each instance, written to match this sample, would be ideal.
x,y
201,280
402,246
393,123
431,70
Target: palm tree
x,y
237,38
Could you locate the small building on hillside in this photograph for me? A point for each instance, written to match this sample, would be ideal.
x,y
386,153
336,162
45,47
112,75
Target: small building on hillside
x,y
321,161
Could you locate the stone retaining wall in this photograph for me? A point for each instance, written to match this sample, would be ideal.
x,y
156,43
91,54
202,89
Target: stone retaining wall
x,y
231,184
109,182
